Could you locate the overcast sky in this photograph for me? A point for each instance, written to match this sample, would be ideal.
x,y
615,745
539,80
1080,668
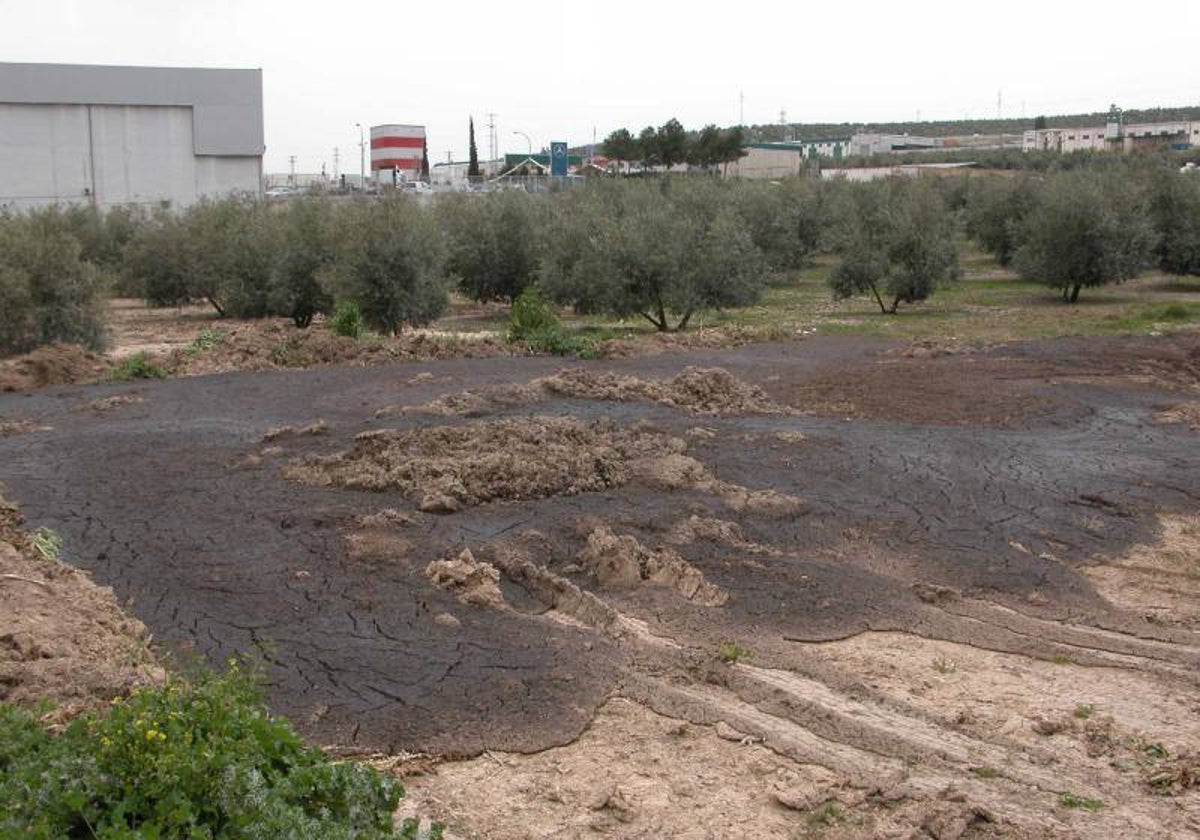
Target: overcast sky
x,y
560,71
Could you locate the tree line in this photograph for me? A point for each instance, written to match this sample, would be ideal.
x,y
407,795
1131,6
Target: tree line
x,y
670,144
659,249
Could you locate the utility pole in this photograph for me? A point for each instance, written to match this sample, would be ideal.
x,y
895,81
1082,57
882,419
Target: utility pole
x,y
362,159
336,163
291,170
742,108
493,140
999,104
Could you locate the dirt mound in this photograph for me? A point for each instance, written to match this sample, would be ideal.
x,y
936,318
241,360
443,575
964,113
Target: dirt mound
x,y
1186,413
656,343
57,364
619,562
473,582
109,403
446,467
274,344
11,428
62,638
708,391
318,427
479,401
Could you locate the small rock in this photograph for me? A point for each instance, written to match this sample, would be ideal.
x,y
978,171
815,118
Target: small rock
x,y
932,593
614,801
445,619
728,733
439,503
802,796
1047,726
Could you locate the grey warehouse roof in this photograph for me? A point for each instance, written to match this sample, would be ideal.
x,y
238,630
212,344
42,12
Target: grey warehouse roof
x,y
227,105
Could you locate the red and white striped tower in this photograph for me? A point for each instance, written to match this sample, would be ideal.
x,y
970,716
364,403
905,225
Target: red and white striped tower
x,y
397,147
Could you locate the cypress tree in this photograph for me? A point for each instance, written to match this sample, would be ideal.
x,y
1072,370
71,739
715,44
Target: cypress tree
x,y
473,157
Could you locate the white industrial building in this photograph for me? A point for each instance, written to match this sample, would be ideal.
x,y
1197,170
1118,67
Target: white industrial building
x,y
127,135
1115,137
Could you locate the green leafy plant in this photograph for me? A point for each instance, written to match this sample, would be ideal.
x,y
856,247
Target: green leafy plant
x,y
985,772
137,366
47,543
1083,711
206,340
347,319
1087,803
192,759
732,652
48,292
532,322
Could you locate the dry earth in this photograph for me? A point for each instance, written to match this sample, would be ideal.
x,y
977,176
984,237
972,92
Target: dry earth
x,y
819,603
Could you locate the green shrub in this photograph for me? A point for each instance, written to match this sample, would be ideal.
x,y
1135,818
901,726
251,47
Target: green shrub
x,y
1086,230
155,262
491,242
390,261
347,320
137,366
532,322
299,283
530,313
650,248
206,340
198,759
897,241
48,292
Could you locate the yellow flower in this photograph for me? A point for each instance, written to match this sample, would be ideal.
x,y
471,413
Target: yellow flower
x,y
152,734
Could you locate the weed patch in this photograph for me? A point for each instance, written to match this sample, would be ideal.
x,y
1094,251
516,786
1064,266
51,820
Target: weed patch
x,y
137,366
200,758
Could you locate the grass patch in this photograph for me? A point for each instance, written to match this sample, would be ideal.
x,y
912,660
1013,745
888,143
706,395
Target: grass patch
x,y
989,304
1083,711
206,340
193,759
1087,803
1062,659
826,816
985,772
47,543
732,652
137,366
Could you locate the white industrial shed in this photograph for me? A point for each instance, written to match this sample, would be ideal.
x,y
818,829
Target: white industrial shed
x,y
127,135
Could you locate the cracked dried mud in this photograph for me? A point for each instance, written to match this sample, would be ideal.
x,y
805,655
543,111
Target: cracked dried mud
x,y
877,593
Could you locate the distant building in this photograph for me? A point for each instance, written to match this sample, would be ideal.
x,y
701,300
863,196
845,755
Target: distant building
x,y
1115,137
396,152
784,158
453,174
127,135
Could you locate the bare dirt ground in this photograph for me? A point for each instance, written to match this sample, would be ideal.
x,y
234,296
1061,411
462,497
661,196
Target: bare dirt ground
x,y
63,640
893,594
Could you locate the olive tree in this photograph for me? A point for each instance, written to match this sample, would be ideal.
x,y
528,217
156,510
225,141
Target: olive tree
x,y
653,249
491,242
786,219
1086,230
48,292
391,263
897,242
996,207
1174,207
307,251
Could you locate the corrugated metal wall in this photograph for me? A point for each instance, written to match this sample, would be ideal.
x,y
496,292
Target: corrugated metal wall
x,y
110,154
